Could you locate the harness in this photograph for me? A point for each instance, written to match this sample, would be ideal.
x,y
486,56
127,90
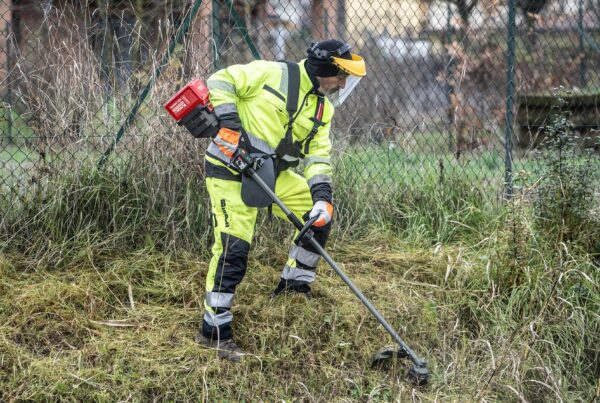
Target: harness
x,y
288,152
288,147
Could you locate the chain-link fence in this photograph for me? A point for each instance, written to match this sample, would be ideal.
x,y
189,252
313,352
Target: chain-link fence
x,y
453,88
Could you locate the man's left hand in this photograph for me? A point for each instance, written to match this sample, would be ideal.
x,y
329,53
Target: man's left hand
x,y
323,211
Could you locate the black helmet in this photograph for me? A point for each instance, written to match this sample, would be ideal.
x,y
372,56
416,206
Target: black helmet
x,y
328,58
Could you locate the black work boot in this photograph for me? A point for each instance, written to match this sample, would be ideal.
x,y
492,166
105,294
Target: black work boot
x,y
292,287
226,349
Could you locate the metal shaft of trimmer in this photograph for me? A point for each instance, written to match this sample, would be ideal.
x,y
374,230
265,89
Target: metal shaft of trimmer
x,y
413,356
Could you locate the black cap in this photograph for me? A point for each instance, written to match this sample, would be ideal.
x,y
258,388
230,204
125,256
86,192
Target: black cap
x,y
319,57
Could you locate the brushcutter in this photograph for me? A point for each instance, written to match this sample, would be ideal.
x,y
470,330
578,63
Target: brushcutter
x,y
191,108
418,372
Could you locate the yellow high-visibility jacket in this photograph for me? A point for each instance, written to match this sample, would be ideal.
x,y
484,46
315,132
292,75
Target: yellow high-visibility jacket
x,y
257,91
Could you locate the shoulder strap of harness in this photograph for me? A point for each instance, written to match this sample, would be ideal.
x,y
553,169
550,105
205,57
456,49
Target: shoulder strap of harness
x,y
293,90
317,122
286,145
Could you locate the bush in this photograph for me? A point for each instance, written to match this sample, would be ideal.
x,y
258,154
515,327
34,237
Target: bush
x,y
566,194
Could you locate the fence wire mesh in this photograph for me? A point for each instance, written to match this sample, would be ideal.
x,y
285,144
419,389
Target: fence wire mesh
x,y
443,97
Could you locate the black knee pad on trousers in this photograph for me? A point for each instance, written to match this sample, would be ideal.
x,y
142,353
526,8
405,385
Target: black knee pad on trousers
x,y
231,267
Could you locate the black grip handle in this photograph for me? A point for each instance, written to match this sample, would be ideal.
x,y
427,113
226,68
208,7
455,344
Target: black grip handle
x,y
305,229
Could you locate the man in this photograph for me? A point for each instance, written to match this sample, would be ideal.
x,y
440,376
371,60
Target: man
x,y
252,103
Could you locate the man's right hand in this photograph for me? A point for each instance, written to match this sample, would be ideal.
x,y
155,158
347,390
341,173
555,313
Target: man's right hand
x,y
241,161
228,141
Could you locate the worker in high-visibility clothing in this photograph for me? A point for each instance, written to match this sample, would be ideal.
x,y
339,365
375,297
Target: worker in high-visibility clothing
x,y
251,103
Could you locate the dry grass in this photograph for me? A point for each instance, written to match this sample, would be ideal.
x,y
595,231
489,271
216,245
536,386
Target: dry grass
x,y
121,327
102,273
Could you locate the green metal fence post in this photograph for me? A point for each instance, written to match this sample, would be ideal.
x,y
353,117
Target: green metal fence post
x,y
179,34
510,93
580,28
448,34
341,19
9,66
216,32
448,88
242,26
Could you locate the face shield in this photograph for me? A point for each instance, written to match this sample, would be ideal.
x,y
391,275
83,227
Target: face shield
x,y
349,65
355,70
338,97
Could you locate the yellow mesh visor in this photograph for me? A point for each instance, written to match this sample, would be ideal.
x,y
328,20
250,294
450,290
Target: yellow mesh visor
x,y
355,67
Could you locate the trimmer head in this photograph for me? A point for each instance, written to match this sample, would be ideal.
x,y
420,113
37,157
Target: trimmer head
x,y
383,358
419,374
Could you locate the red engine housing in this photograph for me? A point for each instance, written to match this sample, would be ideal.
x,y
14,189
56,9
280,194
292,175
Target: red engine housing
x,y
195,93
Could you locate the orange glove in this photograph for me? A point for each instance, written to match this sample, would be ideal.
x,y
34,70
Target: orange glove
x,y
324,211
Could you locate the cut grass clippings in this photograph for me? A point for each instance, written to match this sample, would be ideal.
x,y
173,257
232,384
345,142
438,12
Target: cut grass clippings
x,y
116,327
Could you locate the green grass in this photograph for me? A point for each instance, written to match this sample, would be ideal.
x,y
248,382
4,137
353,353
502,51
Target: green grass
x,y
109,325
12,154
12,125
484,170
419,160
14,161
102,275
